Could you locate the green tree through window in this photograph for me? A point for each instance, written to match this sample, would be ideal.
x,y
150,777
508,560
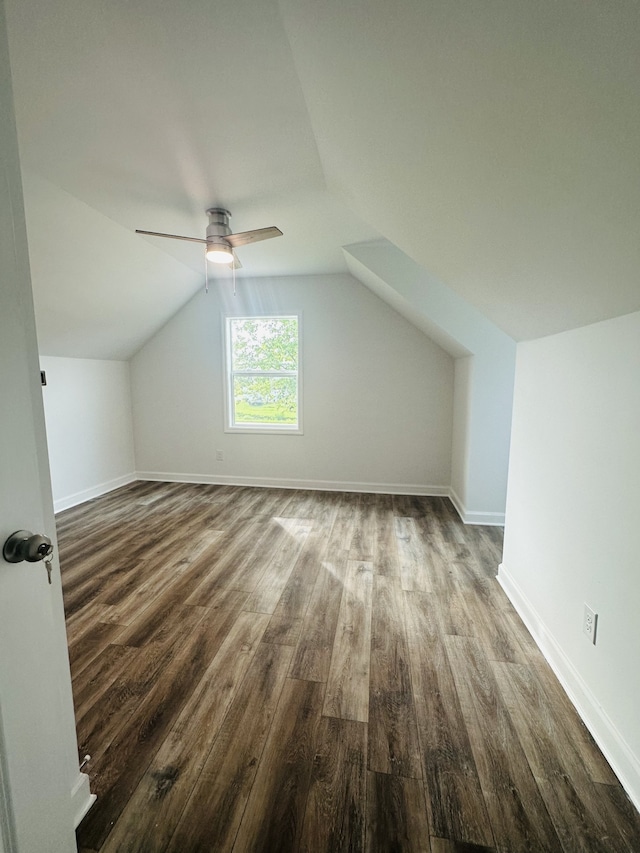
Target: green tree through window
x,y
263,374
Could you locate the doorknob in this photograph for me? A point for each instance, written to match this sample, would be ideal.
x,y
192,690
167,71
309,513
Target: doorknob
x,y
24,545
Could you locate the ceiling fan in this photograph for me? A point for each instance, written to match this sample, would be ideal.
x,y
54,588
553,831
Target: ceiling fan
x,y
220,242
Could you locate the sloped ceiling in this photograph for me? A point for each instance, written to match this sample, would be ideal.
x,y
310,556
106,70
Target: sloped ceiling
x,y
496,144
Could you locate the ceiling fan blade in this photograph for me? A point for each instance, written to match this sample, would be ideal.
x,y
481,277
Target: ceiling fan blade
x,y
171,236
236,263
244,237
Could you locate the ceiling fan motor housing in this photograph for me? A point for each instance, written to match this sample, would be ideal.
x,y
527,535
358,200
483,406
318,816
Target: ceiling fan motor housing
x,y
218,222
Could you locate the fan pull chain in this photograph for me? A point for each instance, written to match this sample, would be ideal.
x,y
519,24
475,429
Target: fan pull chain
x,y
206,276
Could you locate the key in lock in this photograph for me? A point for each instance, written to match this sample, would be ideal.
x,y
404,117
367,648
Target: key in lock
x,y
31,547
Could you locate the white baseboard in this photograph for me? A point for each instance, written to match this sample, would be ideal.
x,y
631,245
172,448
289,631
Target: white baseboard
x,y
624,762
314,485
467,516
494,519
94,492
81,799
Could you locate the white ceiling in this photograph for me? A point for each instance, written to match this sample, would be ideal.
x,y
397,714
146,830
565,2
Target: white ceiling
x,y
497,144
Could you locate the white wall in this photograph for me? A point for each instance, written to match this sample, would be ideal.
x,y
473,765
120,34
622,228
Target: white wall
x,y
87,406
462,389
572,533
378,394
485,465
484,385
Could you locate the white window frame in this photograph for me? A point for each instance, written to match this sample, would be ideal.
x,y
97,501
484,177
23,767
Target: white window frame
x,y
229,373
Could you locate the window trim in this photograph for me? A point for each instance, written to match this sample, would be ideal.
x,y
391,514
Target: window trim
x,y
261,429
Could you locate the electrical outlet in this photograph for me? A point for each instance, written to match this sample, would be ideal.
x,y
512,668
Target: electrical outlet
x,y
590,623
219,456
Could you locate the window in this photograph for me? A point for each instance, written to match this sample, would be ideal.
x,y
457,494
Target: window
x,y
263,376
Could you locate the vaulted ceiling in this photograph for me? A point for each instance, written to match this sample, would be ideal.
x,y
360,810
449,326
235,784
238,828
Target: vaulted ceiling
x,y
497,144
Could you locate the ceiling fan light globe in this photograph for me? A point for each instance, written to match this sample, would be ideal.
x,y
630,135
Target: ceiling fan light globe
x,y
219,256
219,252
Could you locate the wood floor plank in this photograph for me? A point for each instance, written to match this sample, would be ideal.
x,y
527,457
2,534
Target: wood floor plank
x,y
84,621
455,802
393,745
293,603
577,828
312,657
194,711
386,559
302,504
106,667
409,506
334,820
622,815
178,551
396,815
273,504
101,579
571,800
456,530
154,622
153,811
487,546
347,693
271,540
101,722
491,629
336,537
444,845
463,565
106,519
276,572
411,553
468,606
127,604
84,649
119,770
275,810
284,630
234,550
453,613
593,759
363,538
213,813
162,610
548,751
518,813
328,509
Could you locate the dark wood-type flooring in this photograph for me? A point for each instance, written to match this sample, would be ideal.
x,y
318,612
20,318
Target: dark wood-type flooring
x,y
273,670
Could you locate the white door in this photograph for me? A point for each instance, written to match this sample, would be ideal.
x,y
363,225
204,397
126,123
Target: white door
x,y
41,788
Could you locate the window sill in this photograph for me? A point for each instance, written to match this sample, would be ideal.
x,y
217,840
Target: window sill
x,y
264,430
